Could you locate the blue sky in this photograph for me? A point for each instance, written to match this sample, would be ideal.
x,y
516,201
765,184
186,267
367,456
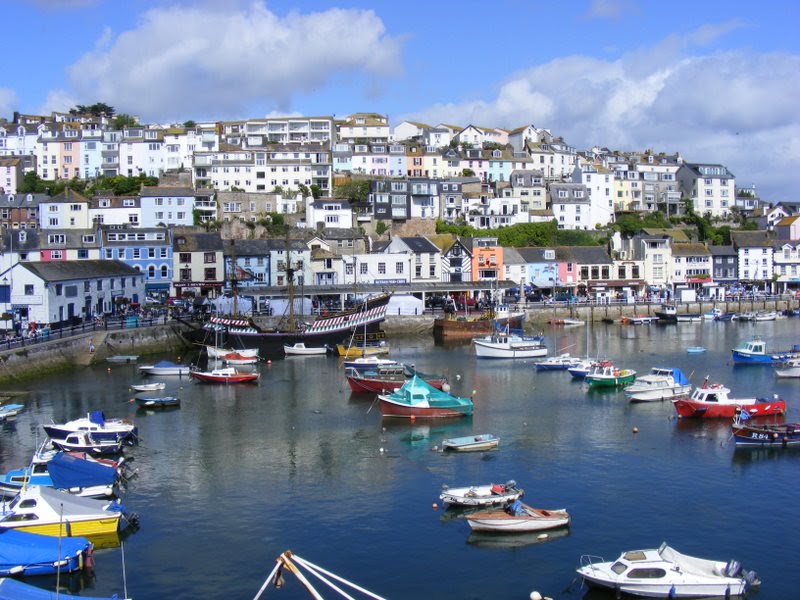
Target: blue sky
x,y
717,81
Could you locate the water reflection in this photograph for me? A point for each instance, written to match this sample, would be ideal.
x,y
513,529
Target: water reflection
x,y
505,541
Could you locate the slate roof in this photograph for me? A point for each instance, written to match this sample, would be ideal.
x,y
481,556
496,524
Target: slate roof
x,y
174,192
751,239
535,255
71,270
677,235
583,255
246,247
196,242
21,200
513,257
419,244
690,249
722,250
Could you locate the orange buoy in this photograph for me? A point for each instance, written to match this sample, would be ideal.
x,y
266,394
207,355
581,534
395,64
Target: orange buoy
x,y
635,429
435,506
413,418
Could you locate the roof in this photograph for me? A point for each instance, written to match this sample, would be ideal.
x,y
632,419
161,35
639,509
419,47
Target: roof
x,y
535,255
677,235
751,239
246,247
153,191
787,221
690,249
196,242
584,255
722,250
511,256
419,244
71,270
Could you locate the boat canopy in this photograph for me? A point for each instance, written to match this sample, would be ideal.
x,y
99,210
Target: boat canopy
x,y
11,589
679,377
24,548
69,471
97,417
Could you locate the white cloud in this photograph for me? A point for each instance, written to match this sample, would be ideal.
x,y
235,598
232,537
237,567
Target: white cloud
x,y
735,108
58,101
192,62
8,102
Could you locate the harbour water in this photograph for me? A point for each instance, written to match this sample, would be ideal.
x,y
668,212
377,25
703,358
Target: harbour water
x,y
239,474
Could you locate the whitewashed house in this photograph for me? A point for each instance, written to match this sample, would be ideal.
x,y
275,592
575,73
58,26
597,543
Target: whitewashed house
x,y
710,187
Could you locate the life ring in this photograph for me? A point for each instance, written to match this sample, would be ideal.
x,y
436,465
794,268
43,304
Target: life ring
x,y
716,385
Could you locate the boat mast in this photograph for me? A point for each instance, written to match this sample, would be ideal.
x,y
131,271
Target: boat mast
x,y
234,280
291,326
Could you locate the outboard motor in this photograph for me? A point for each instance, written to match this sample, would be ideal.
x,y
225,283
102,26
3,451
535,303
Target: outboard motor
x,y
733,568
511,484
752,578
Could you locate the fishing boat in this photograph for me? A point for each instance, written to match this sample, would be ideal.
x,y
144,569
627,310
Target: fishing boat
x,y
83,441
453,325
788,368
471,443
661,383
11,589
712,400
325,330
162,402
300,349
224,375
639,320
666,573
9,411
504,344
667,313
386,378
518,518
23,553
217,352
51,512
562,362
165,367
98,425
605,374
148,387
490,494
416,398
366,349
754,352
768,435
235,358
65,472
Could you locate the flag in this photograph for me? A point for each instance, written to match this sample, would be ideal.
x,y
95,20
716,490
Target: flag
x,y
743,414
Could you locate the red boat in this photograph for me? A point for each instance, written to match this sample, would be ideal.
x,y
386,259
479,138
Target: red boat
x,y
385,378
712,401
226,375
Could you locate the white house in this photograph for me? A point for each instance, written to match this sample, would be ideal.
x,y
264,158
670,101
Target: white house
x,y
60,292
711,188
166,206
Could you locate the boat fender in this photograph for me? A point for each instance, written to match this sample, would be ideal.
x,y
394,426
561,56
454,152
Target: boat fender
x,y
774,436
89,563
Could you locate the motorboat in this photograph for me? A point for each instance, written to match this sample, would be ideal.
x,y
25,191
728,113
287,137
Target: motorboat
x,y
161,402
517,518
504,344
148,387
416,398
123,358
367,349
9,411
387,378
768,435
581,369
561,362
300,349
668,313
234,358
368,362
23,553
606,374
788,368
52,512
224,375
83,441
98,425
165,367
217,352
688,317
660,384
490,494
666,573
62,471
712,400
754,351
471,443
639,320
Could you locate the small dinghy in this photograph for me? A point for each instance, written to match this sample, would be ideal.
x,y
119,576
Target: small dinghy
x,y
517,518
148,387
482,495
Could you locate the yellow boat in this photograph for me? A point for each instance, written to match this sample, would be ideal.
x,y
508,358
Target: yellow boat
x,y
48,511
359,351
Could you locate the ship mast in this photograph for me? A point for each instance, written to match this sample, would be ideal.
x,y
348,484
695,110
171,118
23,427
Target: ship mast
x,y
234,280
291,326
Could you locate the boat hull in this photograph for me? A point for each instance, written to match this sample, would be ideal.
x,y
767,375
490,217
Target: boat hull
x,y
657,394
367,385
772,436
394,409
500,521
601,381
166,402
472,443
490,350
480,495
688,408
73,527
447,327
748,358
231,379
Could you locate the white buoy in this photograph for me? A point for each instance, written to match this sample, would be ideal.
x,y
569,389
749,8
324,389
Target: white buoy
x,y
543,536
535,596
445,387
458,377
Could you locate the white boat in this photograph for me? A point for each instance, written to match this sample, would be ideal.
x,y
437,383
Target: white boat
x,y
516,518
234,358
788,368
660,384
507,345
217,352
165,367
666,573
471,443
369,362
562,362
300,349
482,495
123,358
765,315
148,387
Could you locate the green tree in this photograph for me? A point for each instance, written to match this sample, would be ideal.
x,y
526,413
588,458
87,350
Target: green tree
x,y
355,190
381,227
122,121
189,124
468,173
316,192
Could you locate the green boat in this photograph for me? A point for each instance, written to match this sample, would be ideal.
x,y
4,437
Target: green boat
x,y
605,374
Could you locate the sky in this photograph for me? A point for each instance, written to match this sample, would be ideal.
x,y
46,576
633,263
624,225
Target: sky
x,y
716,80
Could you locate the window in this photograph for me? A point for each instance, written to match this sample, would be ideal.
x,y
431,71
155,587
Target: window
x,y
382,268
185,257
363,268
210,274
29,289
209,258
83,253
56,255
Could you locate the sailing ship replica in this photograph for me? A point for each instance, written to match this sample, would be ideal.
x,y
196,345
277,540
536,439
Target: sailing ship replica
x,y
453,325
240,331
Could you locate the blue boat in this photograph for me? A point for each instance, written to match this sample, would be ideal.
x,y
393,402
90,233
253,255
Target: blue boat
x,y
162,402
64,472
754,352
24,553
8,411
11,589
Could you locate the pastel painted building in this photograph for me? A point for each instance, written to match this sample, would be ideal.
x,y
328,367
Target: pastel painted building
x,y
148,250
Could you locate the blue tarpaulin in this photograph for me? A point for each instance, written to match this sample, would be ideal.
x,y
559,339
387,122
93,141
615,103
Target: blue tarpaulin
x,y
679,377
68,472
11,589
97,417
21,548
